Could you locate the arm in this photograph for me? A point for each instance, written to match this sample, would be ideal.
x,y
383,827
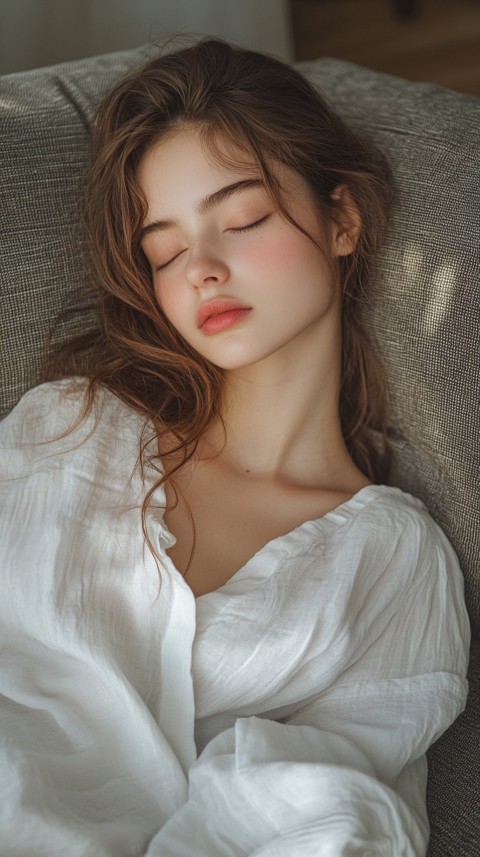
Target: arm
x,y
88,760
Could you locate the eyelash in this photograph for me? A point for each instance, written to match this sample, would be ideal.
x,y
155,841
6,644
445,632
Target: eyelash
x,y
249,225
166,264
236,231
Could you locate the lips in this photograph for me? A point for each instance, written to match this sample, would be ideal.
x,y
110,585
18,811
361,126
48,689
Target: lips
x,y
211,309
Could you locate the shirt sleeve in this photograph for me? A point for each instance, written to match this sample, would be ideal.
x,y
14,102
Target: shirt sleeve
x,y
86,770
347,772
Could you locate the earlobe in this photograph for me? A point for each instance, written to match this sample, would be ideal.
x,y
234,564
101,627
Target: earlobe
x,y
348,223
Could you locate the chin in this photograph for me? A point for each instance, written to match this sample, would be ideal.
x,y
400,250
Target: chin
x,y
230,359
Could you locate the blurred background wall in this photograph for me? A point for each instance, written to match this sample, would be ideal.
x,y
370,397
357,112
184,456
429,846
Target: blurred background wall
x,y
431,40
34,33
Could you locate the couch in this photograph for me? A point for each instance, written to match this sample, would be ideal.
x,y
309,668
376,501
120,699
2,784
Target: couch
x,y
424,309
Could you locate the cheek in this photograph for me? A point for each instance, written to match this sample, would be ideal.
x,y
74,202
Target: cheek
x,y
167,299
272,256
160,296
288,256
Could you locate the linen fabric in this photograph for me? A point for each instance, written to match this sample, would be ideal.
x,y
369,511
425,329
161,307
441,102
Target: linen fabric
x,y
287,712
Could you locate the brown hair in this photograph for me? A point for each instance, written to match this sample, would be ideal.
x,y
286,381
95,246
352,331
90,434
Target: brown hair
x,y
271,110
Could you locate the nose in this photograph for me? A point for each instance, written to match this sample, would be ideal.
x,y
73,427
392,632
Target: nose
x,y
205,267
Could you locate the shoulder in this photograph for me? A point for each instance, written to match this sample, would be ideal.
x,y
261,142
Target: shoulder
x,y
383,515
56,406
52,420
392,534
406,583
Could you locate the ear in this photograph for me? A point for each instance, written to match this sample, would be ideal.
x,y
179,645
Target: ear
x,y
347,221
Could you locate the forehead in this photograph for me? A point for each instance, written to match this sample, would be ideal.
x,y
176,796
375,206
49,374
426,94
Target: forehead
x,y
178,172
186,166
186,158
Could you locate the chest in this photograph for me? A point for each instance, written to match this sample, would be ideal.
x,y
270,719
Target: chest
x,y
221,521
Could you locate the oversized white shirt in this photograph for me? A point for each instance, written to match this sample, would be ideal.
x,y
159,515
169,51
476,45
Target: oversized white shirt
x,y
309,686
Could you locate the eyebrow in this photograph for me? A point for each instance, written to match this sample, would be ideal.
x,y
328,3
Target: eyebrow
x,y
207,203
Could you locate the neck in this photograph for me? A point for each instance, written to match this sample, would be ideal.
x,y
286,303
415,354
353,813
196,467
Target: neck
x,y
281,421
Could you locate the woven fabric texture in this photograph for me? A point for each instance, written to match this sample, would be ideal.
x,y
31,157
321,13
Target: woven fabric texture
x,y
453,791
425,313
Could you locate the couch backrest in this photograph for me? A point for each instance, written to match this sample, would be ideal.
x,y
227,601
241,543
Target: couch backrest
x,y
425,318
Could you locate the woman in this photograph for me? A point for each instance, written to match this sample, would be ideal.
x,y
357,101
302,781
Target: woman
x,y
224,635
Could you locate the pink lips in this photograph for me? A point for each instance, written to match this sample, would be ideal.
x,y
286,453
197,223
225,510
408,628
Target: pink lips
x,y
217,315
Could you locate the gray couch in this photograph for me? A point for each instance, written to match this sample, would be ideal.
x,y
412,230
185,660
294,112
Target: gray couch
x,y
424,312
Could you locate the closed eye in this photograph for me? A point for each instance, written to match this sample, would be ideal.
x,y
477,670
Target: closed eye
x,y
236,230
166,264
248,226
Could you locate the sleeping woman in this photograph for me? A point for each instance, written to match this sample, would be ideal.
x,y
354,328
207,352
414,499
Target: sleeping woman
x,y
223,633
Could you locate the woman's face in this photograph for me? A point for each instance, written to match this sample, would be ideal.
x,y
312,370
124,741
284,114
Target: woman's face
x,y
239,282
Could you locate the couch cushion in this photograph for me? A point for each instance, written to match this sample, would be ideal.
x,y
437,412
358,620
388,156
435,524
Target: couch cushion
x,y
44,116
453,791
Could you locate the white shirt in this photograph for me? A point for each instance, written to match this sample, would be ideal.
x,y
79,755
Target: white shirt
x,y
313,681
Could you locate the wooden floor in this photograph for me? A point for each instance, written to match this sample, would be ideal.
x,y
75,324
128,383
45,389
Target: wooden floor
x,y
440,43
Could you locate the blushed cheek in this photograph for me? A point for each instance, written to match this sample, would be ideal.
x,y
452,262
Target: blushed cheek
x,y
272,257
165,301
158,298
